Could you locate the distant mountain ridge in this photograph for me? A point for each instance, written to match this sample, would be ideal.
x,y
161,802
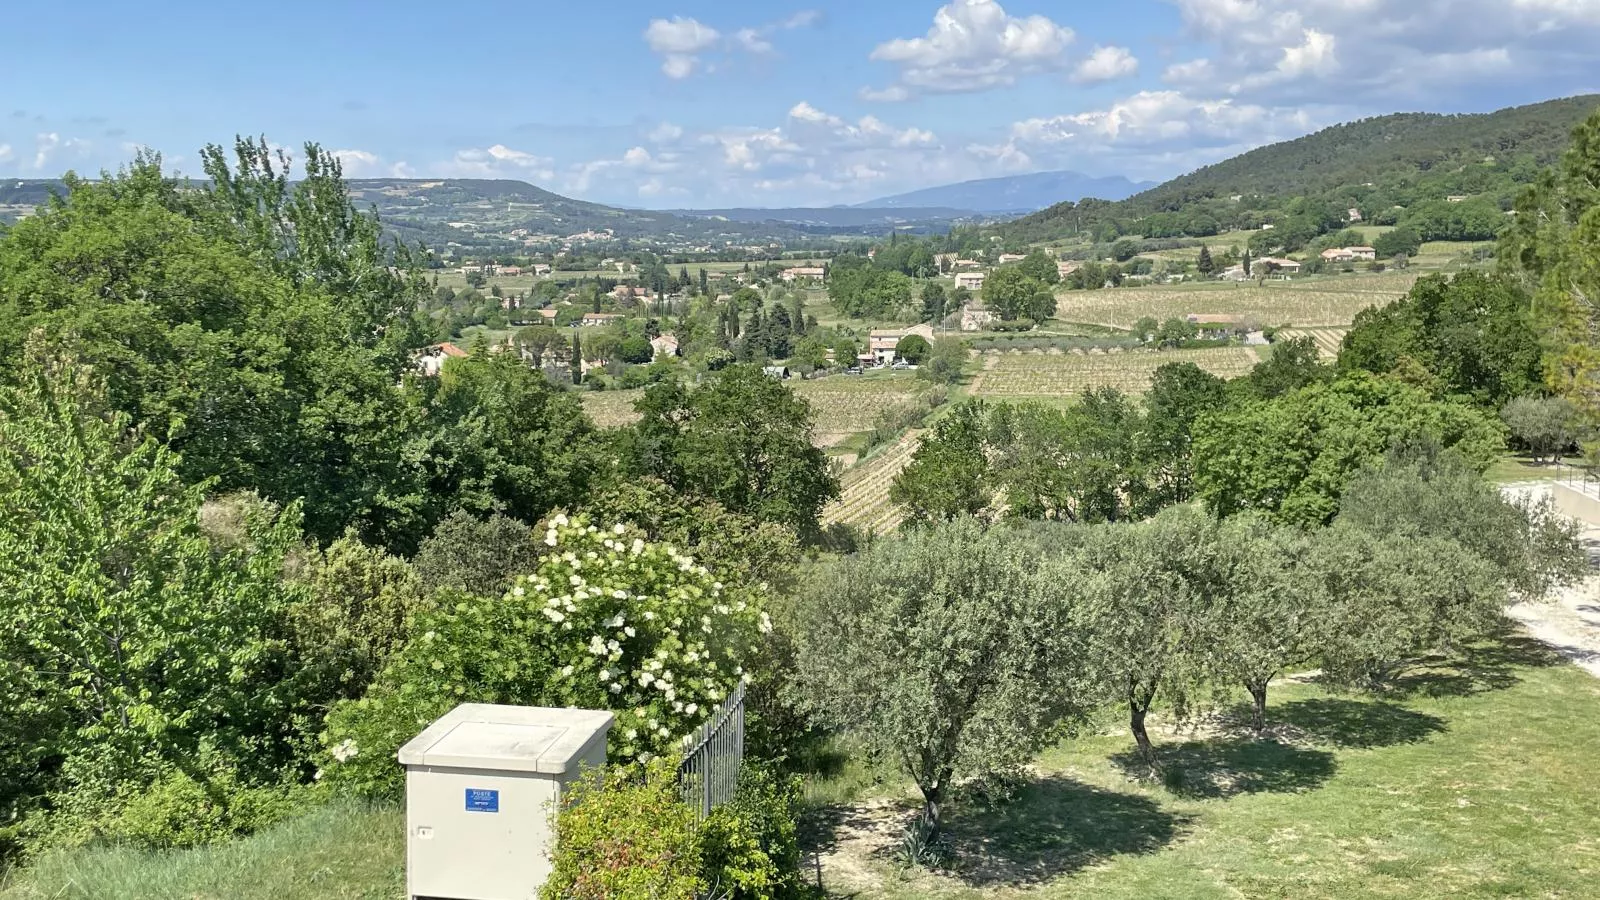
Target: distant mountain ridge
x,y
837,216
1015,193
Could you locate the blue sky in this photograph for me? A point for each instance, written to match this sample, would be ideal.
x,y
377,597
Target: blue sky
x,y
666,103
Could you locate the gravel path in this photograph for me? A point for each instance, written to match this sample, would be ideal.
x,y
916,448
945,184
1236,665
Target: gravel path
x,y
1569,621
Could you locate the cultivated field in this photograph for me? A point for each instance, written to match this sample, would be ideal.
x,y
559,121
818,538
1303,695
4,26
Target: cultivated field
x,y
841,405
1330,300
1038,374
611,409
1326,339
864,490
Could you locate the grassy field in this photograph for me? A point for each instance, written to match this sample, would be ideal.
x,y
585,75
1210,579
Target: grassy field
x,y
1331,300
1028,375
1475,780
338,852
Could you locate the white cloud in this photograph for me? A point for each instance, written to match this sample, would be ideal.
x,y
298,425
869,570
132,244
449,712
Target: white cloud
x,y
973,45
681,42
356,163
665,132
499,161
49,146
1106,64
5,153
1384,53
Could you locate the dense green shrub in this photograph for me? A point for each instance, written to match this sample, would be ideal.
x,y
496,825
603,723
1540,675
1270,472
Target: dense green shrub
x,y
607,621
750,846
624,836
130,643
479,556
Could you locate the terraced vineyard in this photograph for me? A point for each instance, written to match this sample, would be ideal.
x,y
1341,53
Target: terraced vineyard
x,y
841,405
864,490
1042,374
1326,301
1327,339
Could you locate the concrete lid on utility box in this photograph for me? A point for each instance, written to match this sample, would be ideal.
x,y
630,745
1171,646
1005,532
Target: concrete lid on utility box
x,y
508,738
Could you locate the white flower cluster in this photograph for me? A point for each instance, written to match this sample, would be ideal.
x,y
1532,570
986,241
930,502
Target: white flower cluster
x,y
655,637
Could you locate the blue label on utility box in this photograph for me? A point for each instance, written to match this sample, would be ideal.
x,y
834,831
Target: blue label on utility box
x,y
483,800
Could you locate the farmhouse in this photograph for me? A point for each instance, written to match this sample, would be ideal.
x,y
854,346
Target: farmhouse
x,y
975,318
968,264
665,346
1268,265
430,360
1366,253
594,318
548,314
972,281
881,344
541,268
1355,214
1065,268
1011,258
798,272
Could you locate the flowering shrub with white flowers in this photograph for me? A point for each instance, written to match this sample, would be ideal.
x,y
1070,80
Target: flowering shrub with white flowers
x,y
608,620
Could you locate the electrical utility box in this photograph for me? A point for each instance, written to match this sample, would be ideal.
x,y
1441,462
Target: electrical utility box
x,y
481,785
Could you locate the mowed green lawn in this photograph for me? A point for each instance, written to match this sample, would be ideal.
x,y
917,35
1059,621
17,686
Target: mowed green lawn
x,y
1476,779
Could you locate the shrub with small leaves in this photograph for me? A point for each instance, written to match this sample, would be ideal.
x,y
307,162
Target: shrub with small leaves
x,y
608,620
625,836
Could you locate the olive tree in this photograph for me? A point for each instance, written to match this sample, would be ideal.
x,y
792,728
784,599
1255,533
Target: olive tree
x,y
1545,425
1148,589
946,650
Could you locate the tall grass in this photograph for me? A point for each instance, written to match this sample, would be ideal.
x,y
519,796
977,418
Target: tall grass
x,y
342,851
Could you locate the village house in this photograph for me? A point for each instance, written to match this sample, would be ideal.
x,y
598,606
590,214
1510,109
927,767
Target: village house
x,y
1067,267
968,264
798,272
972,281
510,271
882,344
1355,214
1366,253
976,318
1011,258
430,360
541,268
665,346
548,314
591,319
1270,265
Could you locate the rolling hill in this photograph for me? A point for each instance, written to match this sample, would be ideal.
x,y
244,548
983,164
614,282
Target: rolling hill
x,y
1013,194
1375,166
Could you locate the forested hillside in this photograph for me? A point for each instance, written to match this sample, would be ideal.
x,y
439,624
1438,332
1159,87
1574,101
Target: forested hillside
x,y
1382,167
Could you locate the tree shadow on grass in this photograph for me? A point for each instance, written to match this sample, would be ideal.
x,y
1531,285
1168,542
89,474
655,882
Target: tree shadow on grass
x,y
1359,724
1052,827
1228,766
1490,665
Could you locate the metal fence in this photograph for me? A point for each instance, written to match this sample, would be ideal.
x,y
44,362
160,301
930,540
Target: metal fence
x,y
712,755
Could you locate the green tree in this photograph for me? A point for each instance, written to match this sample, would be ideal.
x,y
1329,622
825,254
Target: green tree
x,y
1146,598
1472,332
1180,393
948,476
479,556
943,651
1205,265
1008,290
945,361
1293,455
933,302
741,439
1040,267
132,646
913,348
1544,425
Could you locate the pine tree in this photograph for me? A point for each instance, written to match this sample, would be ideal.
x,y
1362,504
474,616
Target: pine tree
x,y
1204,264
1245,261
705,290
797,316
577,359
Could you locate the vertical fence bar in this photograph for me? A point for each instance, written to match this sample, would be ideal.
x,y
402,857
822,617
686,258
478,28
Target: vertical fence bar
x,y
708,775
